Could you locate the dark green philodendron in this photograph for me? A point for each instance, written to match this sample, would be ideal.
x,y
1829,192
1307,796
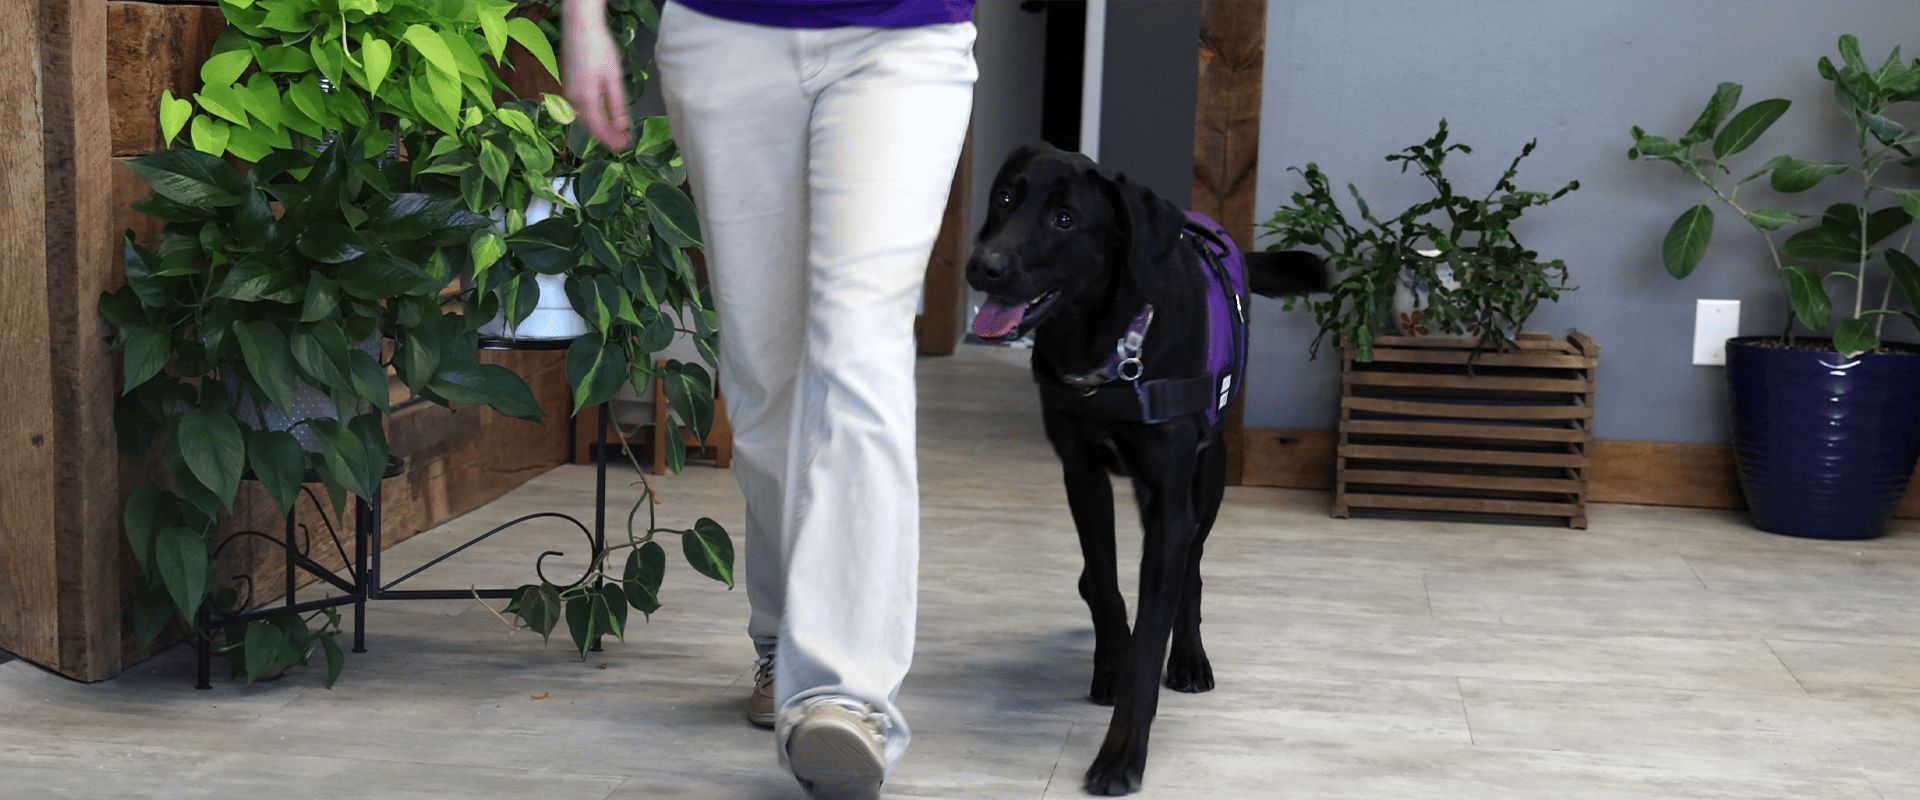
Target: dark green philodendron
x,y
619,230
1496,283
240,310
1854,235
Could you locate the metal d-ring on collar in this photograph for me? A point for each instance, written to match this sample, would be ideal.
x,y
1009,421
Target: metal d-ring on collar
x,y
1124,364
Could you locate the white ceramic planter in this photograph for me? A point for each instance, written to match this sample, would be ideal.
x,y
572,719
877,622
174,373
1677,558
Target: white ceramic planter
x,y
553,316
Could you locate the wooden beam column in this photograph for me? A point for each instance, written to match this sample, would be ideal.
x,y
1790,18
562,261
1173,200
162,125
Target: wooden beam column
x,y
937,329
1226,142
27,586
79,262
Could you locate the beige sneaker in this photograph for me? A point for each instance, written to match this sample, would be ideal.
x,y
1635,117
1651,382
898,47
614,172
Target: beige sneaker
x,y
837,752
760,703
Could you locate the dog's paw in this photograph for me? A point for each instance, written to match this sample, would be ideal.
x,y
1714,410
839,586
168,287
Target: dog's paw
x,y
1117,770
1189,672
1106,686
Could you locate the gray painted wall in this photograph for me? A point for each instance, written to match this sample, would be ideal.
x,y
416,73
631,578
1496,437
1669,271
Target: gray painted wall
x,y
1349,81
1006,99
1149,86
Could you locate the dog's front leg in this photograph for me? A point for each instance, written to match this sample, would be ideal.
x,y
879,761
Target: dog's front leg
x,y
1188,669
1084,464
1163,487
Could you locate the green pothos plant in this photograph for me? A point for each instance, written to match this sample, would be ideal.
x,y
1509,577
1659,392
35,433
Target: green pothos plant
x,y
1851,233
283,69
266,287
1483,281
351,218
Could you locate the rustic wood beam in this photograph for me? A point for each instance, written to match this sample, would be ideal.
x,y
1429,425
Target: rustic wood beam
x,y
26,430
1226,142
937,329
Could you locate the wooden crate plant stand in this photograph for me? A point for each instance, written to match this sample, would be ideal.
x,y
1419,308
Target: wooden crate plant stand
x,y
1432,428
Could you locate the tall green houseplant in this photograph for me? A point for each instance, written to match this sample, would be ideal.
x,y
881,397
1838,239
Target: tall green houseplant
x,y
1849,241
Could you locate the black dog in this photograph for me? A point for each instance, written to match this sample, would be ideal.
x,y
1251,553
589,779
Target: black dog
x,y
1113,281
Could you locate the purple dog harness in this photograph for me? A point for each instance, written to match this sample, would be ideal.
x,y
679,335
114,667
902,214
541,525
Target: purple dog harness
x,y
1160,400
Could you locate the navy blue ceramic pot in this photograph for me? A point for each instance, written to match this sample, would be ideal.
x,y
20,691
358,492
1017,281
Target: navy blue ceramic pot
x,y
1825,443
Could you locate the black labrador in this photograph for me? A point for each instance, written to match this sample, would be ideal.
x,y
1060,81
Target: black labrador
x,y
1113,282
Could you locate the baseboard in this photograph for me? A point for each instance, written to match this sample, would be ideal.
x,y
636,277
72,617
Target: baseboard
x,y
1644,473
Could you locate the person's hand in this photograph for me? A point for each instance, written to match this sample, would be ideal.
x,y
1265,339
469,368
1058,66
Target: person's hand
x,y
590,67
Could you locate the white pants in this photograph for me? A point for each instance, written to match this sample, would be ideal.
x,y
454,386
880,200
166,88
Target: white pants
x,y
821,161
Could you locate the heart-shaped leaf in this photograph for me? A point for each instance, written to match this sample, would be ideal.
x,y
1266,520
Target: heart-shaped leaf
x,y
377,56
596,369
269,361
191,177
150,509
709,550
580,621
279,464
523,30
211,446
180,556
646,568
609,612
174,113
690,392
486,384
672,215
538,605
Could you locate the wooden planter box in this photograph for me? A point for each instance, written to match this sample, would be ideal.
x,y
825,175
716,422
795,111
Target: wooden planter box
x,y
1430,428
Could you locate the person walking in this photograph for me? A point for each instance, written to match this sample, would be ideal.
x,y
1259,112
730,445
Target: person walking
x,y
820,138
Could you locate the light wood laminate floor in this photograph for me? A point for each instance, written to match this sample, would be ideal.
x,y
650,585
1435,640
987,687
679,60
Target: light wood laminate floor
x,y
1662,653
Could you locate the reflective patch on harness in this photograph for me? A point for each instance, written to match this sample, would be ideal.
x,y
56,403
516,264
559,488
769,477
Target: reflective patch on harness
x,y
1226,391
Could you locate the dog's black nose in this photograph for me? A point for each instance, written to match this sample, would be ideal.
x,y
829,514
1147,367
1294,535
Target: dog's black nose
x,y
986,269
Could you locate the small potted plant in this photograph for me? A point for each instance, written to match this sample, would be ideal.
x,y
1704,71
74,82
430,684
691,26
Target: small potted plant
x,y
1467,273
1448,408
1823,421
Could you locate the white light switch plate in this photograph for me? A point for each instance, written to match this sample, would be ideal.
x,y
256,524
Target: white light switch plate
x,y
1714,322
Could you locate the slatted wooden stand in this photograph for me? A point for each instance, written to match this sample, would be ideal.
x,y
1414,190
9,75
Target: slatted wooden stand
x,y
1431,428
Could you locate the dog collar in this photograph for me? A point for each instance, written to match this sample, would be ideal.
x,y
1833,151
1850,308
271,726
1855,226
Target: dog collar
x,y
1124,364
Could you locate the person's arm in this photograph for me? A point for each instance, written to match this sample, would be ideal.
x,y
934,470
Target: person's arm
x,y
590,66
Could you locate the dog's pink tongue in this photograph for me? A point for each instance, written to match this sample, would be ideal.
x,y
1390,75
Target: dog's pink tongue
x,y
996,319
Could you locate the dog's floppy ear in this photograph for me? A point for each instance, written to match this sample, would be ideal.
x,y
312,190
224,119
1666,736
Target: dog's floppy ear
x,y
1149,229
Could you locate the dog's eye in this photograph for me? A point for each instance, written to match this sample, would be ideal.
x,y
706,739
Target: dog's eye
x,y
1002,199
1063,218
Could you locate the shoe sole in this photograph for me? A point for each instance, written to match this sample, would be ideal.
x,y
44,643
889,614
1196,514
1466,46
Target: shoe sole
x,y
834,759
763,719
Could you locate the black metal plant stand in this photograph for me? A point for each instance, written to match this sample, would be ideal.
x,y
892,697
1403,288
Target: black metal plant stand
x,y
354,591
363,581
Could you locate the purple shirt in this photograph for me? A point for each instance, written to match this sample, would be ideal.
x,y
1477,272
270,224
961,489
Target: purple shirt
x,y
836,13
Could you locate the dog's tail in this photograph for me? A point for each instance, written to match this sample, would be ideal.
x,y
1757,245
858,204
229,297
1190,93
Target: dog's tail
x,y
1285,273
